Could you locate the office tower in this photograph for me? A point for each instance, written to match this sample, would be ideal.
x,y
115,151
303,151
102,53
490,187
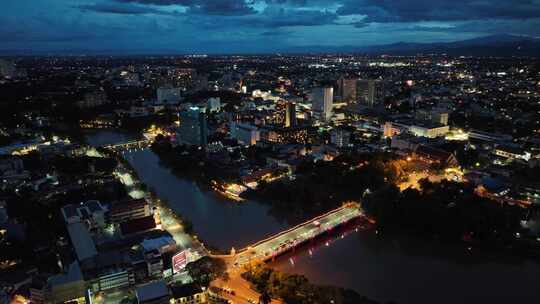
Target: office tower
x,y
245,134
323,103
290,115
370,92
192,130
347,89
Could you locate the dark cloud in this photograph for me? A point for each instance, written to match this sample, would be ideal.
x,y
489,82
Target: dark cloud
x,y
440,10
283,17
210,7
124,9
530,27
222,7
276,33
270,18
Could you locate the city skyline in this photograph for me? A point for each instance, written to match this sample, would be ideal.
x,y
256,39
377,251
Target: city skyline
x,y
254,26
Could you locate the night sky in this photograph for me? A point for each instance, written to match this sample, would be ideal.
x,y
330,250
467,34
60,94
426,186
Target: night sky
x,y
246,26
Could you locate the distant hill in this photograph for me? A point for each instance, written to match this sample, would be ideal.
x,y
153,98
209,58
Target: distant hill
x,y
496,45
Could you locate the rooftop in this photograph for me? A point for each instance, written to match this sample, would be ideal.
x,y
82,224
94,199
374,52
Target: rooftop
x,y
138,225
82,241
152,291
185,290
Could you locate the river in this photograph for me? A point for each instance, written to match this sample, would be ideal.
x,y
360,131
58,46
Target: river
x,y
403,270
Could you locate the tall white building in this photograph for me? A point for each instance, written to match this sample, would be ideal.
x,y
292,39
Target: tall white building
x,y
323,103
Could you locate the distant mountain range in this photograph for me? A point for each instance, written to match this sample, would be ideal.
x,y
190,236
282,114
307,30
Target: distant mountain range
x,y
496,45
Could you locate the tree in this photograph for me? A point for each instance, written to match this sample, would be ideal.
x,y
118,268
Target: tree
x,y
265,297
206,269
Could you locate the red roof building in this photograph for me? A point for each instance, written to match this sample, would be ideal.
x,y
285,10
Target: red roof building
x,y
139,225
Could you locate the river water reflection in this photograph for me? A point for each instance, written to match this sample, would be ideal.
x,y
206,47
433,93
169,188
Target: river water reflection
x,y
404,271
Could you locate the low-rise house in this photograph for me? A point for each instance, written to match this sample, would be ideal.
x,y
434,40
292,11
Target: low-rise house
x,y
153,293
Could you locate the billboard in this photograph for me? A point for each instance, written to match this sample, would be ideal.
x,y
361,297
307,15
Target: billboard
x,y
179,261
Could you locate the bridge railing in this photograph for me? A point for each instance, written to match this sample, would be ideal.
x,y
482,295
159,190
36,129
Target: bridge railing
x,y
349,205
124,144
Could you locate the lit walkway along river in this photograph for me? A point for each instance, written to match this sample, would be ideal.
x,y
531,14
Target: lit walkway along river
x,y
406,271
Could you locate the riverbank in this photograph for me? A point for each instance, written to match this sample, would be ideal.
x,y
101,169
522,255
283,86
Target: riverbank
x,y
375,265
339,294
294,288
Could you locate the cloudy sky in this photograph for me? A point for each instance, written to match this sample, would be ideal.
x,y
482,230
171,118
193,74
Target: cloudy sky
x,y
224,26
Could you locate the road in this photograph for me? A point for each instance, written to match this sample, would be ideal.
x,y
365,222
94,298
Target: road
x,y
266,249
272,246
242,289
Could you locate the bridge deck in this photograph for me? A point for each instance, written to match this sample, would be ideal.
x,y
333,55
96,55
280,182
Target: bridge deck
x,y
127,144
286,240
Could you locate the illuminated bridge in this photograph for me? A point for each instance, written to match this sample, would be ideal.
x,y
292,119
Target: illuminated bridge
x,y
284,241
134,144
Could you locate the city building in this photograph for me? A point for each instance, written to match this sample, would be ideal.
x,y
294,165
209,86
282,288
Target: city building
x,y
322,103
346,89
12,168
192,130
168,94
287,135
154,263
200,82
340,137
108,271
421,129
437,116
429,130
124,211
138,225
92,213
82,241
433,154
489,137
244,133
370,92
512,153
7,69
213,104
290,115
67,286
93,99
153,293
189,294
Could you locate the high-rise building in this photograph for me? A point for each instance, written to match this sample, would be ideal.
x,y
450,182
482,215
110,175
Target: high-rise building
x,y
323,103
340,137
370,92
347,89
192,130
290,115
246,134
